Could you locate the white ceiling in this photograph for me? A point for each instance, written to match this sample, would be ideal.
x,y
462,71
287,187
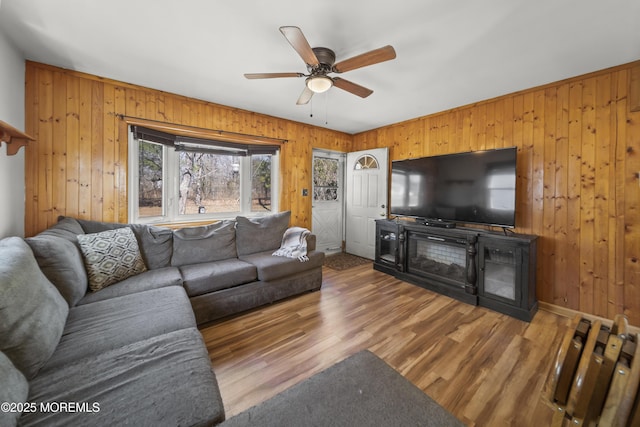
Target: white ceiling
x,y
449,52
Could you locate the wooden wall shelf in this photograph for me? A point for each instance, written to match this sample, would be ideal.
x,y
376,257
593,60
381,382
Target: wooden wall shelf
x,y
13,138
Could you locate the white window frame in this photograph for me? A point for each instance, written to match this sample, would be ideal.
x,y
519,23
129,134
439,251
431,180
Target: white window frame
x,y
171,178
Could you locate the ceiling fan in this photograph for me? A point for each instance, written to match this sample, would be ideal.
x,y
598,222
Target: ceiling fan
x,y
321,62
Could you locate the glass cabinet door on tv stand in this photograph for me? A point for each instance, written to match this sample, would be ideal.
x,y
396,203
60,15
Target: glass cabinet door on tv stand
x,y
387,246
508,274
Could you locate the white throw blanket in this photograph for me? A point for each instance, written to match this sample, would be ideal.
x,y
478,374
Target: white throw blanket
x,y
294,244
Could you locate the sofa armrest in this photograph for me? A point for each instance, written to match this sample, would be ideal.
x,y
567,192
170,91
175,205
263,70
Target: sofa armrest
x,y
311,242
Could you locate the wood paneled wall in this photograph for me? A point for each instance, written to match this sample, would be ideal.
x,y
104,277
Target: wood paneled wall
x,y
578,165
78,164
577,187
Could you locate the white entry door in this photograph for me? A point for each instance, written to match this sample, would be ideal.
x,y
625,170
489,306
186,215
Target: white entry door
x,y
367,173
328,201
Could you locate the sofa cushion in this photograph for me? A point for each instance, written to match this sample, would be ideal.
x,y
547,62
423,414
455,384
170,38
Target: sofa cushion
x,y
110,256
213,242
213,276
100,326
272,267
150,279
13,388
68,228
92,227
61,261
261,233
156,245
165,380
32,311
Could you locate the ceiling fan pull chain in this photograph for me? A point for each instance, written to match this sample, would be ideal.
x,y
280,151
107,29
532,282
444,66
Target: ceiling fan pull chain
x,y
326,109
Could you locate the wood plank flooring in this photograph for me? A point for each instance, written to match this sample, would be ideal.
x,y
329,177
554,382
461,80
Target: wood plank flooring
x,y
486,368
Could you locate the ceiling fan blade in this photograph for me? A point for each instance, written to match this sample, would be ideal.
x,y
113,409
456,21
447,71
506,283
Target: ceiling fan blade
x,y
355,89
305,96
271,75
368,58
295,37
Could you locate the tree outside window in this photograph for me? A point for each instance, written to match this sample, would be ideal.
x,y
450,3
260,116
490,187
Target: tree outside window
x,y
150,163
325,179
191,184
209,183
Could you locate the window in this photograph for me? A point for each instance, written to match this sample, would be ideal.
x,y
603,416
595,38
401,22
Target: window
x,y
208,183
366,162
150,164
325,179
175,178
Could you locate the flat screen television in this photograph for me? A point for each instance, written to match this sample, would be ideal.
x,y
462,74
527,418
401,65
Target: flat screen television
x,y
476,187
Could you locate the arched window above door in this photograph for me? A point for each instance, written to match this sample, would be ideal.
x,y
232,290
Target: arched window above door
x,y
366,161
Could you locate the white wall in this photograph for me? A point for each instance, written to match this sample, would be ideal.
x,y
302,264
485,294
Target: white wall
x,y
12,190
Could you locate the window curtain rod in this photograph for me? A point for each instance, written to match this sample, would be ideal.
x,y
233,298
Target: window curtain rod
x,y
213,146
202,133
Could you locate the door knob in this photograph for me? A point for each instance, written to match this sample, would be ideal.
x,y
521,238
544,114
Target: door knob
x,y
383,206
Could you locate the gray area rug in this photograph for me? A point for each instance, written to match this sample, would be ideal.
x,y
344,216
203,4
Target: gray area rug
x,y
362,390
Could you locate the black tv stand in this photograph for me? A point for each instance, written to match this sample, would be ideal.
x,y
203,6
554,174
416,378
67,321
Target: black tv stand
x,y
439,223
480,267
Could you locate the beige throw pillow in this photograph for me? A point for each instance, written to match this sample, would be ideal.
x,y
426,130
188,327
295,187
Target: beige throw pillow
x,y
110,256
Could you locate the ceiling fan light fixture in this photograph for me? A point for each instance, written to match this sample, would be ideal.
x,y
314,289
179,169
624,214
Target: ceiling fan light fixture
x,y
319,84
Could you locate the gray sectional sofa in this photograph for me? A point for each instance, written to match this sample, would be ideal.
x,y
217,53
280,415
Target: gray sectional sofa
x,y
98,321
